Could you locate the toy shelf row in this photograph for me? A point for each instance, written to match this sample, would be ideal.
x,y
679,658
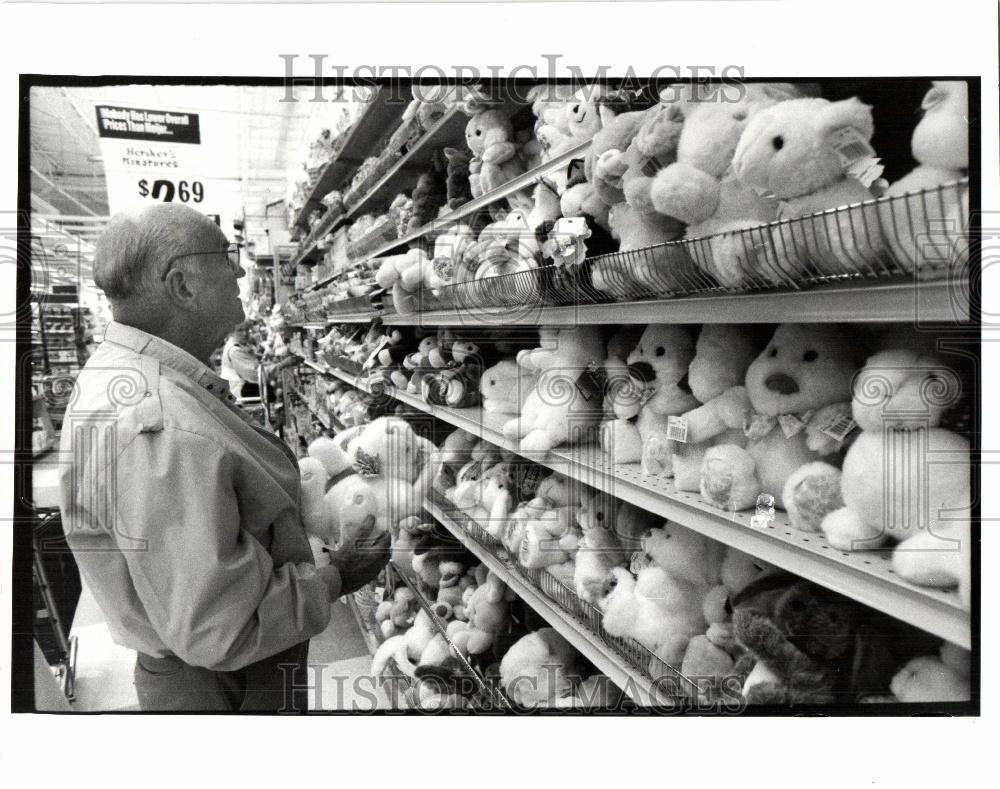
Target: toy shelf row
x,y
523,181
864,576
912,302
328,422
449,130
377,116
635,682
489,692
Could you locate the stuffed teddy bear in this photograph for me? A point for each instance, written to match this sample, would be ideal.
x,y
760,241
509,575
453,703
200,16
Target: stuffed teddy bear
x,y
539,669
403,275
504,387
458,191
653,608
598,549
651,147
813,155
932,679
803,652
657,372
715,376
924,230
694,565
565,402
455,451
710,658
452,584
490,136
396,615
891,487
430,192
450,247
486,609
798,388
699,190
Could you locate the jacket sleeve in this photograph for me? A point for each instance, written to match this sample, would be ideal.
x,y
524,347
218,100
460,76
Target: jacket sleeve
x,y
210,589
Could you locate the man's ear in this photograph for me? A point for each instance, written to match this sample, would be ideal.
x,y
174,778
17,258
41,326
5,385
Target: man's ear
x,y
179,288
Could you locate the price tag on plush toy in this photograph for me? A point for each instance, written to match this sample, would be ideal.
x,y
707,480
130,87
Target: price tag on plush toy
x,y
565,244
655,456
640,561
838,427
856,155
677,428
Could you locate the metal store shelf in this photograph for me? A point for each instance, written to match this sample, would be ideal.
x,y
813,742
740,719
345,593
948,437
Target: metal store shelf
x,y
911,302
378,115
447,131
639,687
525,181
488,690
864,576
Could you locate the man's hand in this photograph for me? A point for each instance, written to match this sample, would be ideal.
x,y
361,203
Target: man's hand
x,y
361,562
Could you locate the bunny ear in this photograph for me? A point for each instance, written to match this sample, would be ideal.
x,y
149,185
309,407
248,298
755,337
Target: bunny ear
x,y
849,112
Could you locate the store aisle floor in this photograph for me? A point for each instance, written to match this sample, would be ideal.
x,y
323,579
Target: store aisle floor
x,y
338,658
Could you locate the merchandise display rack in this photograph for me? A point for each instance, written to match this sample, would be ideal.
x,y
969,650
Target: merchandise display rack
x,y
864,576
565,617
487,690
847,265
378,115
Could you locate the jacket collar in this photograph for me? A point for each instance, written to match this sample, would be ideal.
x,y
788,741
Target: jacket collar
x,y
169,355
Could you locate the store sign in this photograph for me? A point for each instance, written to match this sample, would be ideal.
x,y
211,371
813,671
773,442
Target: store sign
x,y
169,156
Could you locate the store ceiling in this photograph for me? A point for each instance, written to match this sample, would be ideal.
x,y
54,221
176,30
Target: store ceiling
x,y
67,176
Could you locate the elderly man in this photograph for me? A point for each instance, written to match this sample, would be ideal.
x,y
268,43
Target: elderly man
x,y
183,516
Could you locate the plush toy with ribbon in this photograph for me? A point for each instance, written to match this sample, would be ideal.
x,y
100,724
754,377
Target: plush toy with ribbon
x,y
799,389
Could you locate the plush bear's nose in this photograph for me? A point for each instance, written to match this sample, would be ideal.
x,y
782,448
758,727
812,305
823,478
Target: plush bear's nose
x,y
642,371
782,384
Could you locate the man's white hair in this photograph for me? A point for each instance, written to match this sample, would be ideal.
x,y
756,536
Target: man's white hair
x,y
135,246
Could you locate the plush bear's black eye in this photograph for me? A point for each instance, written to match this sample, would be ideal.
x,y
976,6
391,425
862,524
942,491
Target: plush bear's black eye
x,y
810,356
773,352
479,132
660,351
778,142
493,381
576,108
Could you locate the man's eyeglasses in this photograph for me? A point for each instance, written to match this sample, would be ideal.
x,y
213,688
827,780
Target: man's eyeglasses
x,y
232,252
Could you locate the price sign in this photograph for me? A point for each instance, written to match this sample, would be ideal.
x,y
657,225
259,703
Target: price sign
x,y
166,190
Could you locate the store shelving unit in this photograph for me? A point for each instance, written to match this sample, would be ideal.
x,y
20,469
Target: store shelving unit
x,y
865,576
522,182
644,690
378,115
894,302
878,288
488,691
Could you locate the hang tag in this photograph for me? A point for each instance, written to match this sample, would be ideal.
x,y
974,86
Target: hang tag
x,y
646,396
764,513
565,244
867,171
850,145
838,427
655,456
650,167
677,428
792,424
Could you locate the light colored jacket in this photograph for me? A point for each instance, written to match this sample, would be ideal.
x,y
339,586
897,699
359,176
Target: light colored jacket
x,y
182,515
